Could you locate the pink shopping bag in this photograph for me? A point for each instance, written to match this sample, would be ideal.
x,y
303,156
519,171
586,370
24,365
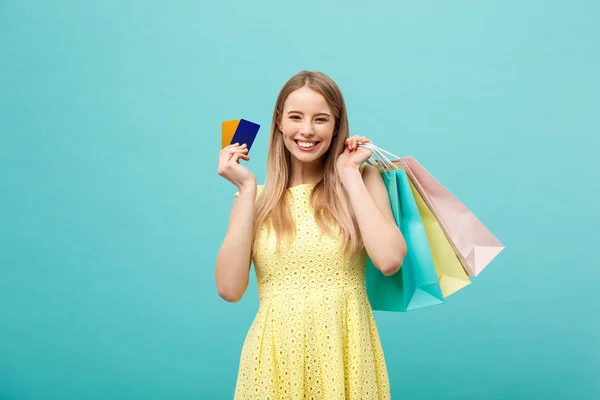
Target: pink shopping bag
x,y
474,244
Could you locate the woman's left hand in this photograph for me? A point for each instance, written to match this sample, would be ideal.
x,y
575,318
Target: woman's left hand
x,y
353,156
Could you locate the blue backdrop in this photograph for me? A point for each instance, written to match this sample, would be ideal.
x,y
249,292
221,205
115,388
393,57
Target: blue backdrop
x,y
111,210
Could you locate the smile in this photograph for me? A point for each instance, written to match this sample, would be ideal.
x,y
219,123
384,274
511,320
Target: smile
x,y
306,145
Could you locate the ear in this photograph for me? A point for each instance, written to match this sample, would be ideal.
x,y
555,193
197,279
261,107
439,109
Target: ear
x,y
278,121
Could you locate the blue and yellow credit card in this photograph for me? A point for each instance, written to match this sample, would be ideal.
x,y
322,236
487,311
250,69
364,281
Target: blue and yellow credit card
x,y
238,131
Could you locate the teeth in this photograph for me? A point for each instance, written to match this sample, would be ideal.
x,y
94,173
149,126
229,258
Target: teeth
x,y
306,144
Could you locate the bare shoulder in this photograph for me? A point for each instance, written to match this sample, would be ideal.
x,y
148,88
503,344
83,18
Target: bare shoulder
x,y
370,174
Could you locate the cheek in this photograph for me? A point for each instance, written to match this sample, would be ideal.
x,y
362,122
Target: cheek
x,y
287,125
328,142
326,133
288,142
287,138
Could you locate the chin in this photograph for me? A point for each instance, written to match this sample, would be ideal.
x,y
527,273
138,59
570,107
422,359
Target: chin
x,y
307,157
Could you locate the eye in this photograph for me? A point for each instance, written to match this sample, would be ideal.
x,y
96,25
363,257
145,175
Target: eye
x,y
322,119
295,117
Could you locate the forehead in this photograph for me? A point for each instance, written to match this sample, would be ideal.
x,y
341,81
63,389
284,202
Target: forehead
x,y
306,100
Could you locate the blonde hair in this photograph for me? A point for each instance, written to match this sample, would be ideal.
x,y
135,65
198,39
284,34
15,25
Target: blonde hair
x,y
329,200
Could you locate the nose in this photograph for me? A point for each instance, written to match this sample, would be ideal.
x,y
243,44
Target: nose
x,y
307,129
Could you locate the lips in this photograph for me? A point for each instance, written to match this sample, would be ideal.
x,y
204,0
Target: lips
x,y
307,145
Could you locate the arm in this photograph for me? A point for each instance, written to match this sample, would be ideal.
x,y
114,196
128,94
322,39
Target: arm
x,y
383,240
234,258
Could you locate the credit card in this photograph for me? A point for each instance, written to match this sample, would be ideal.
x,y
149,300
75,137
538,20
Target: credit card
x,y
227,131
245,132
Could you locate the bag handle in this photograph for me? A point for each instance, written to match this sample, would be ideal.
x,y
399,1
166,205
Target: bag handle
x,y
371,146
378,156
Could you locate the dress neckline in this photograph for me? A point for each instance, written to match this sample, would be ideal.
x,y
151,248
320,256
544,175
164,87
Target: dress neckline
x,y
301,185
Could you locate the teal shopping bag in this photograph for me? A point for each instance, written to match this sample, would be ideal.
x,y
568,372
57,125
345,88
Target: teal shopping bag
x,y
416,284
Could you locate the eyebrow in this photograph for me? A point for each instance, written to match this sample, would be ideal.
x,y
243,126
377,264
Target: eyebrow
x,y
300,112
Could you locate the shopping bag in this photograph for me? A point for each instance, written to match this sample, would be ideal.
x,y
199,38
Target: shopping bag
x,y
451,274
474,245
415,285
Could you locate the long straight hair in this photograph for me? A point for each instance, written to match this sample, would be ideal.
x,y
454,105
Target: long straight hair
x,y
329,200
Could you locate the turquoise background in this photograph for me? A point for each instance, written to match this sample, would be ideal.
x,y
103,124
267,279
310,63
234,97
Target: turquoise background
x,y
111,210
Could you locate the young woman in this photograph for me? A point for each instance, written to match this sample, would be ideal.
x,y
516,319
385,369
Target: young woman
x,y
309,230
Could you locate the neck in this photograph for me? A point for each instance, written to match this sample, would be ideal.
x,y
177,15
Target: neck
x,y
305,173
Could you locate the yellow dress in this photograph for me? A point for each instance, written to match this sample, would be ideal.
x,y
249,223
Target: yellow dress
x,y
314,335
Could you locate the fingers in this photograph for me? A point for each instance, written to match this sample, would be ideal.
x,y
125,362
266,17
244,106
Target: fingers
x,y
352,142
227,153
361,140
234,147
229,156
239,154
236,157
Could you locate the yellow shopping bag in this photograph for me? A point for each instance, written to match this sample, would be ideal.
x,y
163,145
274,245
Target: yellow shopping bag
x,y
451,275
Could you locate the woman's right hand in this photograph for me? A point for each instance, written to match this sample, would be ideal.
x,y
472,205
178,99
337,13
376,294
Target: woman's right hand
x,y
230,167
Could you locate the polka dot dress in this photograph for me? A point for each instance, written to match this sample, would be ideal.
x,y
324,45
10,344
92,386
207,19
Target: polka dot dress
x,y
314,335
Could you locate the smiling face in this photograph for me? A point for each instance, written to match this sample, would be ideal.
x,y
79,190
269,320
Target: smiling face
x,y
308,125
